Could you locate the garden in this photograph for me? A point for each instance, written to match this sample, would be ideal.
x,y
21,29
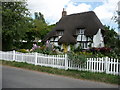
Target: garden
x,y
79,55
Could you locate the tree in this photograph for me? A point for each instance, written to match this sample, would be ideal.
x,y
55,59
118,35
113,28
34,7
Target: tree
x,y
110,36
40,27
112,40
39,16
15,23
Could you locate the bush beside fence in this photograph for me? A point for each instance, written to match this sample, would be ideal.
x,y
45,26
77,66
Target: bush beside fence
x,y
104,64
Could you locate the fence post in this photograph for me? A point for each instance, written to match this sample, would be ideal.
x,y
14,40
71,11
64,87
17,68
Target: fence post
x,y
35,58
106,65
13,55
66,62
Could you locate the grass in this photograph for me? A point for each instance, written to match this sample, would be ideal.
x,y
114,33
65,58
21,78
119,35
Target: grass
x,y
101,77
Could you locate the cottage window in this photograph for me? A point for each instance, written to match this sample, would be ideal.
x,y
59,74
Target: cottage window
x,y
60,33
80,31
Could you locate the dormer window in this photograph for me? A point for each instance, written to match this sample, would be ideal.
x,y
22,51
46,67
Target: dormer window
x,y
60,33
80,31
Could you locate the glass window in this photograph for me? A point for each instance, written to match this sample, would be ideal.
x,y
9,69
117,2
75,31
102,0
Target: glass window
x,y
80,31
60,33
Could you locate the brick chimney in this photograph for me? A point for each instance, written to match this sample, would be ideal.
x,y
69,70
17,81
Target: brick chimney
x,y
64,13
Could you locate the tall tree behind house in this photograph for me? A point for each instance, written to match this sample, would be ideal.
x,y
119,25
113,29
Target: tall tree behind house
x,y
39,16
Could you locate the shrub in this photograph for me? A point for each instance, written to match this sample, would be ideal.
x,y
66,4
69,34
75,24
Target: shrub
x,y
38,50
86,53
77,58
79,48
23,51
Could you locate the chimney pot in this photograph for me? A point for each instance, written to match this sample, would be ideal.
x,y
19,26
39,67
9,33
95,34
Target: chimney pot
x,y
64,13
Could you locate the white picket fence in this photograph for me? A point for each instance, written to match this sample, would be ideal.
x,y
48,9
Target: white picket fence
x,y
105,64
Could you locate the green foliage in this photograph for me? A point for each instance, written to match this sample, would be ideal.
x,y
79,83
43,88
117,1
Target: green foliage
x,y
39,16
40,28
44,50
23,51
79,48
18,26
77,58
72,47
112,41
15,22
110,36
85,53
38,50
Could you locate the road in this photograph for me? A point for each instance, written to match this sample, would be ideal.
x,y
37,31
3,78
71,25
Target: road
x,y
20,78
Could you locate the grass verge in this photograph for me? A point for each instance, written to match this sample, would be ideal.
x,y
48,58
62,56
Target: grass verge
x,y
101,77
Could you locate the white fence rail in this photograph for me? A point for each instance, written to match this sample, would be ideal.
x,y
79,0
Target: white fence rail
x,y
105,64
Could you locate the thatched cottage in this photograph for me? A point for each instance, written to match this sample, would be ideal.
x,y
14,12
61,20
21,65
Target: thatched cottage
x,y
81,29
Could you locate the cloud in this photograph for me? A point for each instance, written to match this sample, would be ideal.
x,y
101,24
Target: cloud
x,y
106,11
71,8
52,9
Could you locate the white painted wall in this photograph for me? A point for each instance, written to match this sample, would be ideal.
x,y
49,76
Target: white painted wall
x,y
56,44
61,46
68,47
98,40
84,38
79,38
57,38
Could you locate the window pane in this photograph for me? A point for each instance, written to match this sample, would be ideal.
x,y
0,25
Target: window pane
x,y
84,38
81,31
60,33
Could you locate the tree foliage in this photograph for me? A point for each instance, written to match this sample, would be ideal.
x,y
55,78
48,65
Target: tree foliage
x,y
15,22
39,16
112,40
40,27
110,36
17,25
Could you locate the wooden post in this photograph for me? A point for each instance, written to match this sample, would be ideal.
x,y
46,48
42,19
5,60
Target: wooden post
x,y
22,58
117,68
13,55
35,58
111,66
97,64
106,64
66,62
114,66
102,64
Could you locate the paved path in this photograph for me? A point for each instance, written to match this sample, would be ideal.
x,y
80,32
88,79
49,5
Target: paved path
x,y
21,78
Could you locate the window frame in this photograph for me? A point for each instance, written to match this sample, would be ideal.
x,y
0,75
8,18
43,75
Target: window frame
x,y
60,32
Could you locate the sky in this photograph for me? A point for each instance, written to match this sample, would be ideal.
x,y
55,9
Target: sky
x,y
52,9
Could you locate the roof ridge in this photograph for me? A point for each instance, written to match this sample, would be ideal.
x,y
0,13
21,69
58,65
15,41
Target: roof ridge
x,y
80,13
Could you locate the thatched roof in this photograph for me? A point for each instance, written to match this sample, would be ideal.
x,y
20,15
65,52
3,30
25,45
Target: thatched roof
x,y
70,23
